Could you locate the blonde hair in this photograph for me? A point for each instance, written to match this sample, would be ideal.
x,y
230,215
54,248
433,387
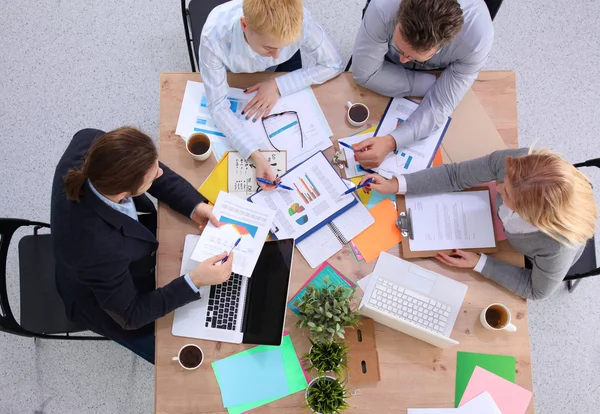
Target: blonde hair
x,y
281,19
551,194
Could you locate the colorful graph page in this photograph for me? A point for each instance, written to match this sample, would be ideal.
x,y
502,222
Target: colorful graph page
x,y
316,198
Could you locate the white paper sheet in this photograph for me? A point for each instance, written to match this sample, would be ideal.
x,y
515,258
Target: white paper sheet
x,y
241,173
284,130
364,282
240,218
482,404
315,198
323,243
460,220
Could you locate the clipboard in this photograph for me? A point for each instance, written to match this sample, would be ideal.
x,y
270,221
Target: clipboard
x,y
404,223
326,220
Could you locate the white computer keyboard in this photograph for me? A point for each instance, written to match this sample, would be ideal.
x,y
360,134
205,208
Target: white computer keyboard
x,y
410,306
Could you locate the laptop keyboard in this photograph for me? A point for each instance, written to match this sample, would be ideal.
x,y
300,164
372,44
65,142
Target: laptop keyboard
x,y
410,306
223,304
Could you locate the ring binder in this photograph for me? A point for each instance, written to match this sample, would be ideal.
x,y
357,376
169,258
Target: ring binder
x,y
404,223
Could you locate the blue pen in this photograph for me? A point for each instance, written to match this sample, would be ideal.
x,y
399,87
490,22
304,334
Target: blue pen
x,y
262,180
369,181
234,246
343,144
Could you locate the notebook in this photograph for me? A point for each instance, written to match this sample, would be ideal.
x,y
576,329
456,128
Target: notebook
x,y
330,239
318,280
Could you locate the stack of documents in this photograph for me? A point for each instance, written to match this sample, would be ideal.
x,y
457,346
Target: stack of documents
x,y
259,375
482,404
318,280
493,374
302,130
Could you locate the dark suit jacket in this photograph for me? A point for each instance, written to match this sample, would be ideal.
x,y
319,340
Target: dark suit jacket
x,y
105,260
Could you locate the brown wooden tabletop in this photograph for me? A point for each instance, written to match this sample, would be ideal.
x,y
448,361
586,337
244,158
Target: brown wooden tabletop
x,y
413,374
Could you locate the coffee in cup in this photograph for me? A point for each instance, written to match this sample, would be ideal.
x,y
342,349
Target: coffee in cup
x,y
358,113
190,357
199,146
496,317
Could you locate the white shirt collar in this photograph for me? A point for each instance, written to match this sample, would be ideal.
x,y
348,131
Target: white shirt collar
x,y
513,223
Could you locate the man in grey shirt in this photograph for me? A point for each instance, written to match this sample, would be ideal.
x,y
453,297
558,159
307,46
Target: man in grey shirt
x,y
396,39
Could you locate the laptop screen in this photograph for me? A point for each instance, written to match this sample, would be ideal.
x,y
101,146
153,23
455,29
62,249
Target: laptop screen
x,y
266,301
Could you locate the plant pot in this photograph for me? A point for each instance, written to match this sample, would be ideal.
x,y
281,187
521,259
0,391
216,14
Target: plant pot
x,y
311,362
307,393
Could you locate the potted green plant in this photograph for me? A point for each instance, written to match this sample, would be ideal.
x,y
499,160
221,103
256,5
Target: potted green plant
x,y
327,311
326,395
327,357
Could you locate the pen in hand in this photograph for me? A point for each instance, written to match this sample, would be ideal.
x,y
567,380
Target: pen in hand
x,y
234,246
343,144
351,190
264,181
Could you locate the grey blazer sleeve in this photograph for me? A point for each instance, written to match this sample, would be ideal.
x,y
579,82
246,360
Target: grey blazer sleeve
x,y
541,281
456,177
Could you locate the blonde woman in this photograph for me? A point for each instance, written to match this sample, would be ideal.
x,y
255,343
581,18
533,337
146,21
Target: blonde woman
x,y
546,205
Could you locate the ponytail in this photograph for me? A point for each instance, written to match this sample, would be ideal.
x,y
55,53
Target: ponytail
x,y
74,181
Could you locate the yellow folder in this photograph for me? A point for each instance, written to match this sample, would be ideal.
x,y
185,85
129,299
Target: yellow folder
x,y
216,181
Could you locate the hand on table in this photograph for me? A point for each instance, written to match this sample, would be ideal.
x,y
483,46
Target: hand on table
x,y
371,152
203,214
211,272
264,100
380,184
466,260
264,170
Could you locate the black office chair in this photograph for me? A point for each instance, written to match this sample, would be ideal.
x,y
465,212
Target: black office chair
x,y
194,17
42,309
492,5
587,264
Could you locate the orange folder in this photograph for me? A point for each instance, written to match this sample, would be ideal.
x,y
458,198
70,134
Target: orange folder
x,y
381,235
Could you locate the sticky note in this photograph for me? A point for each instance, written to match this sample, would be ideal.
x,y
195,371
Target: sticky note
x,y
509,397
381,235
252,377
501,365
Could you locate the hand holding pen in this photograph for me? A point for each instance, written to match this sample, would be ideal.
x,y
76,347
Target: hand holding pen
x,y
358,187
275,183
234,246
350,147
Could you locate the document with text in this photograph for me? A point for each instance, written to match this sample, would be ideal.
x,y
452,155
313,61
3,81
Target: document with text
x,y
461,220
316,199
239,219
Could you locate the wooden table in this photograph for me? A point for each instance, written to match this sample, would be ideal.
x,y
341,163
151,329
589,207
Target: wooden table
x,y
413,373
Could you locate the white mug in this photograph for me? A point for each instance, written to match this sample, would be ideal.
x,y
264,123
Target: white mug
x,y
178,357
199,138
503,315
350,105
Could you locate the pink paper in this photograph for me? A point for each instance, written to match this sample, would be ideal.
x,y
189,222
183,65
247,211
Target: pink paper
x,y
510,398
498,226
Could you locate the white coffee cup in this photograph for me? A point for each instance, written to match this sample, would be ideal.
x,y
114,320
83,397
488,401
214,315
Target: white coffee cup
x,y
198,145
498,318
178,357
359,122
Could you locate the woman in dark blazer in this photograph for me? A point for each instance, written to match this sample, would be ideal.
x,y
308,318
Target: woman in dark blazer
x,y
104,236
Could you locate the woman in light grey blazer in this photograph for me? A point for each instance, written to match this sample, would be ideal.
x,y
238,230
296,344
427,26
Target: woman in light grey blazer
x,y
546,206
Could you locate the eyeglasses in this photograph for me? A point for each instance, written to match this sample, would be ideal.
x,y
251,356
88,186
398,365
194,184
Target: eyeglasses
x,y
283,127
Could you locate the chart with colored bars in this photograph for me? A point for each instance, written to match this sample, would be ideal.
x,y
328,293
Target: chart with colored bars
x,y
307,192
242,228
404,160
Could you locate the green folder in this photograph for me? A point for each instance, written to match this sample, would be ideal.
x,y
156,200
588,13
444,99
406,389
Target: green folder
x,y
295,376
501,365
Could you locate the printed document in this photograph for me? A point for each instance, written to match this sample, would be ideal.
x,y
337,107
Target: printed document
x,y
316,197
239,219
301,129
241,173
195,116
461,220
414,157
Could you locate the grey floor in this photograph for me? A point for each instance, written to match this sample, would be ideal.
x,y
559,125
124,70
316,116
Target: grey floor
x,y
69,65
